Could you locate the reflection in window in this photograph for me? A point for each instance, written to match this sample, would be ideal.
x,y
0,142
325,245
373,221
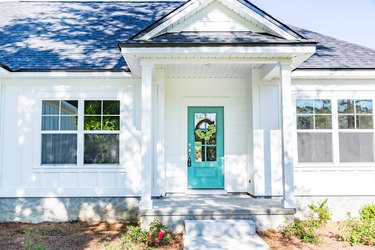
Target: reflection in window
x,y
355,114
314,115
101,116
205,137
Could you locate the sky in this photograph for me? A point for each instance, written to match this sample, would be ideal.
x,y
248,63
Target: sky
x,y
349,20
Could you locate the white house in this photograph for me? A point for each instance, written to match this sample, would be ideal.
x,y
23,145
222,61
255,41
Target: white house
x,y
103,103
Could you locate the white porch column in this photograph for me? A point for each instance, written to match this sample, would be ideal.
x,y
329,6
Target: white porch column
x,y
287,120
146,137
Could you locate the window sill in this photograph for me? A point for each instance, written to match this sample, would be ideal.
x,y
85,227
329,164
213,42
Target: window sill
x,y
75,168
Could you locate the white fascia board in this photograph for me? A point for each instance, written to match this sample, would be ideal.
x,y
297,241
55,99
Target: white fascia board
x,y
281,50
3,72
193,6
334,74
240,8
74,75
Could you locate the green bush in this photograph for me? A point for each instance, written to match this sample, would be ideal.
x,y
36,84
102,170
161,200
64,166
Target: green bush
x,y
303,230
357,231
156,236
367,212
320,214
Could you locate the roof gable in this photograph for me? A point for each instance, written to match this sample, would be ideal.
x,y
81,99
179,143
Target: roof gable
x,y
218,16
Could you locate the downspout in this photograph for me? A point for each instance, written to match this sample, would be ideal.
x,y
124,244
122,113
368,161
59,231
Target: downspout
x,y
3,73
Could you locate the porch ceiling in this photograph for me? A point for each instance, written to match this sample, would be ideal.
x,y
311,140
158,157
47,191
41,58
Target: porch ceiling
x,y
208,70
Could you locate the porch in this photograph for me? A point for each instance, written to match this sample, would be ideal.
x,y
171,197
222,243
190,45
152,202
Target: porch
x,y
173,210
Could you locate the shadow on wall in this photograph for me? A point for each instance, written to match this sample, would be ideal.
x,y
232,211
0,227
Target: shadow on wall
x,y
71,35
34,210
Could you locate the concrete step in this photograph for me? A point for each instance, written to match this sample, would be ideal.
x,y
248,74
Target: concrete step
x,y
252,242
219,228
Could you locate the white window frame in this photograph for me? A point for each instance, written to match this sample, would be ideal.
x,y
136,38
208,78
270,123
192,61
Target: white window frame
x,y
334,96
51,96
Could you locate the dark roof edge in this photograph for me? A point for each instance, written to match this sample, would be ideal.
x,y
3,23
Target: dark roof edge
x,y
72,70
2,65
272,19
159,45
338,69
160,21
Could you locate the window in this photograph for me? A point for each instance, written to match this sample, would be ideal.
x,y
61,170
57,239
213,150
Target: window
x,y
62,132
356,142
314,130
59,132
102,125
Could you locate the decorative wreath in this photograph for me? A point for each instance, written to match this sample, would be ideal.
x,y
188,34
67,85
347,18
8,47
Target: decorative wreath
x,y
211,130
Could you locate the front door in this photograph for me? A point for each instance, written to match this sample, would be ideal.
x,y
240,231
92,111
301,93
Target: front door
x,y
205,147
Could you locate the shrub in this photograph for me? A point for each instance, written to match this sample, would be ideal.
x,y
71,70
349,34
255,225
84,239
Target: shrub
x,y
357,231
303,230
367,212
320,214
157,235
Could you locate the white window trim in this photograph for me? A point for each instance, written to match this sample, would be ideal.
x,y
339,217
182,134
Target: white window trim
x,y
80,166
336,164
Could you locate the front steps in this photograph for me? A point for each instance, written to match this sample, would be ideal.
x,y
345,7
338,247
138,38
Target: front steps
x,y
222,234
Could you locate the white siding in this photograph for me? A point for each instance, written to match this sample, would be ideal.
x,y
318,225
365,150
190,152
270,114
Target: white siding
x,y
337,178
22,174
231,94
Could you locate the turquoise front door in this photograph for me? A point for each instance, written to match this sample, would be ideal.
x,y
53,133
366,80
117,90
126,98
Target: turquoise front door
x,y
205,147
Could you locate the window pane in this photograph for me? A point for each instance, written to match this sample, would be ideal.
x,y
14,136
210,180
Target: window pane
x,y
111,123
322,106
346,121
111,107
304,106
314,147
356,147
101,148
198,152
364,122
211,153
305,122
92,123
50,107
59,149
50,123
345,106
364,107
69,123
69,107
323,122
93,107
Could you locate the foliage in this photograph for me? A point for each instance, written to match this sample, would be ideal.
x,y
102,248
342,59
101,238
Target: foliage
x,y
320,214
357,231
33,245
156,236
303,230
367,212
206,135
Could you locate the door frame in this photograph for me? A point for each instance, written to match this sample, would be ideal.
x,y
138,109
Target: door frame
x,y
202,102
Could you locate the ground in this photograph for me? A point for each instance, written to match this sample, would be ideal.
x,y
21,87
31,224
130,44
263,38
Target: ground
x,y
95,235
71,235
329,240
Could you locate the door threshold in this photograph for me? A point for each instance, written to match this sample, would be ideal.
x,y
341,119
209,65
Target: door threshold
x,y
206,191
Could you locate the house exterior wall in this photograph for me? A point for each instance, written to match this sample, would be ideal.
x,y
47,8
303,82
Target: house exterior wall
x,y
22,174
230,93
334,179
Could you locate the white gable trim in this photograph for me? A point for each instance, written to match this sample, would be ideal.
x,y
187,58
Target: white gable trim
x,y
67,75
3,72
334,74
196,5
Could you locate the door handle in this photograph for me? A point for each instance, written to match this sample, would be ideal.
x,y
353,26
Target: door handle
x,y
189,162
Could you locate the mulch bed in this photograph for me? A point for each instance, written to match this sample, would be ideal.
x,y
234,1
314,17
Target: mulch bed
x,y
67,235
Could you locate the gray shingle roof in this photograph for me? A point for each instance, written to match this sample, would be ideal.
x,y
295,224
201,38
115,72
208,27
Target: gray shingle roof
x,y
72,35
220,38
332,53
85,36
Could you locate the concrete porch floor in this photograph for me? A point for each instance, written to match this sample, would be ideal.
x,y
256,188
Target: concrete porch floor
x,y
173,210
